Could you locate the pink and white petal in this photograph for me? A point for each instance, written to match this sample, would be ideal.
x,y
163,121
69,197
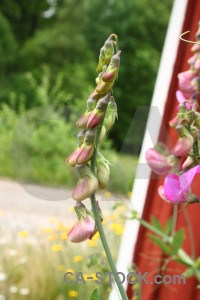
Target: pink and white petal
x,y
187,178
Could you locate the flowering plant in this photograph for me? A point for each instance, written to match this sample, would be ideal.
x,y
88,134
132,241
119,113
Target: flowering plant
x,y
180,165
92,167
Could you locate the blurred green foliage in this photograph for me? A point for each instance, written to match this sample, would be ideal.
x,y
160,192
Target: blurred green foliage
x,y
48,56
65,36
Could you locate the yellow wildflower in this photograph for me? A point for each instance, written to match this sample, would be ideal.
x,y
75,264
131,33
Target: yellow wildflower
x,y
47,230
129,194
63,236
71,209
69,270
73,294
107,194
61,267
52,220
92,243
56,248
78,258
96,236
113,217
120,230
23,234
52,237
61,227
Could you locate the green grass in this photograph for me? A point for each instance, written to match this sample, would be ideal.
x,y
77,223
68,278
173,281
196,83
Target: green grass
x,y
36,260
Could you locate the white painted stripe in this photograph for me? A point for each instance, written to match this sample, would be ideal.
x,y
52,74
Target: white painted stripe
x,y
140,186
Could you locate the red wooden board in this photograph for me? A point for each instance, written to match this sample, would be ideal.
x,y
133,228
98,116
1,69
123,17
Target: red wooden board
x,y
147,255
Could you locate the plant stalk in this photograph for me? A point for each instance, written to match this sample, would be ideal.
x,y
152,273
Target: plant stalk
x,y
100,227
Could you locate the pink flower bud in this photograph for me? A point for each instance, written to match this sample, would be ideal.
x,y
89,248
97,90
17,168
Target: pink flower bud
x,y
86,185
195,48
183,146
84,227
87,148
112,70
192,59
82,122
188,162
95,118
174,122
71,160
158,162
98,113
85,153
185,84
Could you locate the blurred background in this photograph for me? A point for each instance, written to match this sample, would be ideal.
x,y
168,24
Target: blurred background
x,y
48,55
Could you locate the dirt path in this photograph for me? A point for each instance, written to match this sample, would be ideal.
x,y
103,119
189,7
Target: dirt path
x,y
23,205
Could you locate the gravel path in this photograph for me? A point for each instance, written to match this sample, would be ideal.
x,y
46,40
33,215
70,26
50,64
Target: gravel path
x,y
23,205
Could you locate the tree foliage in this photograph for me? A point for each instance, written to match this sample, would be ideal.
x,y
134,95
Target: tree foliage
x,y
64,37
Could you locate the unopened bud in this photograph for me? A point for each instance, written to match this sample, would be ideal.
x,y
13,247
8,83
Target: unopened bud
x,y
158,162
71,160
83,229
82,122
189,162
185,84
85,153
86,185
103,171
98,113
109,51
111,114
183,146
91,104
112,70
81,137
104,87
174,122
196,48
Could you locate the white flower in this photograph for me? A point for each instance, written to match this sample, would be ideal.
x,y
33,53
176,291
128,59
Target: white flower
x,y
12,252
3,276
2,241
2,297
24,291
13,289
22,260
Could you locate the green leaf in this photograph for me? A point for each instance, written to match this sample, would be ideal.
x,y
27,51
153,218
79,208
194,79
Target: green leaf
x,y
156,224
160,243
197,274
95,295
189,272
168,226
177,241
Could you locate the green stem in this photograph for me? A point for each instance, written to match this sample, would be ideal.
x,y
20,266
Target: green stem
x,y
174,219
190,233
100,228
